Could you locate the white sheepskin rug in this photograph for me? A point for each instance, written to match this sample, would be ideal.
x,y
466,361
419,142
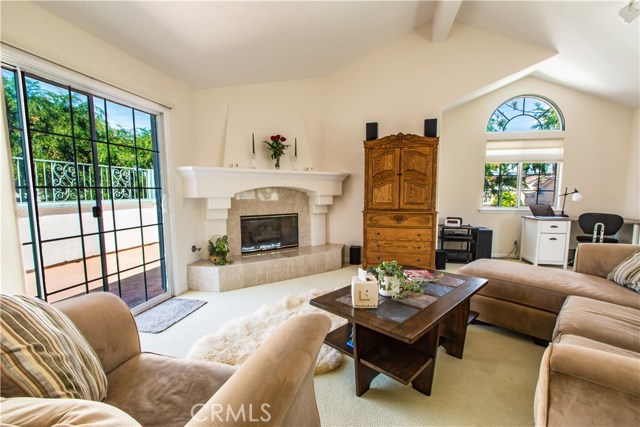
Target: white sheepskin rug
x,y
239,338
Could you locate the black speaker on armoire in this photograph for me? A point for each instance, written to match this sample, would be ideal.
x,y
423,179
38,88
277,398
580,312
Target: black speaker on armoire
x,y
431,127
372,131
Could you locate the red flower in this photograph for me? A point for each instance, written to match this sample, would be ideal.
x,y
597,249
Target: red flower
x,y
282,139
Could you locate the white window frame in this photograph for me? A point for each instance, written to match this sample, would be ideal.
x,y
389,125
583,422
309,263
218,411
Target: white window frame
x,y
524,147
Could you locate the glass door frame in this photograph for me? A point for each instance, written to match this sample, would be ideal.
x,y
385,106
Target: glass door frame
x,y
25,62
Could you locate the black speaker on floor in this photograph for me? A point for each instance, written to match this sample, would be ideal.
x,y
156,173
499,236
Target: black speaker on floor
x,y
354,255
441,259
483,240
372,131
431,127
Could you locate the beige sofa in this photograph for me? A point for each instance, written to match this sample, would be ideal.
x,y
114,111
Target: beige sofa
x,y
527,299
590,372
273,387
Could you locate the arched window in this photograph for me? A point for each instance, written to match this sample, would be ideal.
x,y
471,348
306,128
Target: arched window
x,y
526,113
524,153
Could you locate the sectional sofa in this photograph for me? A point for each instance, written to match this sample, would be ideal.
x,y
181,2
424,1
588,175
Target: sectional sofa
x,y
590,371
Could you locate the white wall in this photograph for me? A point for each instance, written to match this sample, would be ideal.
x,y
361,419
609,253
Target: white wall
x,y
227,118
632,197
35,30
398,85
596,157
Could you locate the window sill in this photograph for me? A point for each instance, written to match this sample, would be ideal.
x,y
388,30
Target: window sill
x,y
485,210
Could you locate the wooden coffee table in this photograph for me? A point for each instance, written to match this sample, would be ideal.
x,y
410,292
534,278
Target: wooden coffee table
x,y
400,338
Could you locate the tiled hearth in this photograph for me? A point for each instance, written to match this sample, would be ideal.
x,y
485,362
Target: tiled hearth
x,y
252,270
231,193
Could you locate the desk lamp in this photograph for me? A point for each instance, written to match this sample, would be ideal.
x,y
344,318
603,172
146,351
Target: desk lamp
x,y
575,196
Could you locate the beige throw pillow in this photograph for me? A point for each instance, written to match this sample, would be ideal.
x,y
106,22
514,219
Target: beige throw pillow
x,y
43,354
627,273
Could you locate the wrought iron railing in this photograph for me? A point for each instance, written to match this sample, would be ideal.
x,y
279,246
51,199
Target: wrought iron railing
x,y
66,181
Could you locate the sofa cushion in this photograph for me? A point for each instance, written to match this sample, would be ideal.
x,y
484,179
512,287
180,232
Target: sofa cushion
x,y
39,412
44,354
627,273
146,383
600,321
544,288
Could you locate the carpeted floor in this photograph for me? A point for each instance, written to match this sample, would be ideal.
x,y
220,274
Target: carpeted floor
x,y
493,385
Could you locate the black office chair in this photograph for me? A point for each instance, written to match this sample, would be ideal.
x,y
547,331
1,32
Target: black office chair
x,y
598,226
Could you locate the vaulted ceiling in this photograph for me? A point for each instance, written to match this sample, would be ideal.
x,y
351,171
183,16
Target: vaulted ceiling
x,y
223,43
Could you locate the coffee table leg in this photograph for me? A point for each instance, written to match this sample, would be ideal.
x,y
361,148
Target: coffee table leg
x,y
454,329
364,340
429,345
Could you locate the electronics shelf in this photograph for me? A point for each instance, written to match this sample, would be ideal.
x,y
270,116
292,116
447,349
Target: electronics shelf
x,y
465,243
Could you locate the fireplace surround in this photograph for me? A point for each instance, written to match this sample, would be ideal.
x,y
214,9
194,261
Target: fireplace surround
x,y
229,193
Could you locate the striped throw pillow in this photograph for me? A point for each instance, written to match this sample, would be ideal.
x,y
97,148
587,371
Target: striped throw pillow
x,y
43,354
627,273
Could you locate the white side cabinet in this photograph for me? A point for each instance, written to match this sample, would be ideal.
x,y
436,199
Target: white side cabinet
x,y
545,240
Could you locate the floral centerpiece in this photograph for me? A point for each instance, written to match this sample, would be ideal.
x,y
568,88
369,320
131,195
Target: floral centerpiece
x,y
277,147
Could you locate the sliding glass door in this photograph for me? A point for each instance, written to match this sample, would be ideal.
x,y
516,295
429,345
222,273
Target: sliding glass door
x,y
88,191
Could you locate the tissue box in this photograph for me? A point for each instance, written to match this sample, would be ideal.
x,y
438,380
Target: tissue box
x,y
364,293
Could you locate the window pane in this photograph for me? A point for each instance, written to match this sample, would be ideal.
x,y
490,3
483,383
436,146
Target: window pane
x,y
11,98
120,124
538,183
500,184
525,113
144,137
100,117
48,107
81,122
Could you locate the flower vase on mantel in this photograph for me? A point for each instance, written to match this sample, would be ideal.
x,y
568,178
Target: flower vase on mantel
x,y
276,147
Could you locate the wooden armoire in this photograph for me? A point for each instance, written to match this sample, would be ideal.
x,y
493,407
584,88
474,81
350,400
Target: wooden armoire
x,y
399,201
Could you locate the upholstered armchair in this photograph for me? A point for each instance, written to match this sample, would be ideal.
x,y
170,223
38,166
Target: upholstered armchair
x,y
273,387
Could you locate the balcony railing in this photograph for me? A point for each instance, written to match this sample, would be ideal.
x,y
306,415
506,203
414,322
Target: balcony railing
x,y
66,181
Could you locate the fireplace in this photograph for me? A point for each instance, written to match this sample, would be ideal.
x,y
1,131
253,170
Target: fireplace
x,y
268,232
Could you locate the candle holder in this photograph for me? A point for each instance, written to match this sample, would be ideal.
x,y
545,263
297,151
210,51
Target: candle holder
x,y
253,160
295,163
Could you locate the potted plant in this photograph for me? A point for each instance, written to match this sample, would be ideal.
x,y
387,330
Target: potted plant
x,y
277,147
391,278
218,250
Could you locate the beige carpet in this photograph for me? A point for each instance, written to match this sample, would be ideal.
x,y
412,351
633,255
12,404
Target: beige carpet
x,y
240,337
493,385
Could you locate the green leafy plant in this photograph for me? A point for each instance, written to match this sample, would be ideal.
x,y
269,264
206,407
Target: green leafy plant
x,y
218,250
393,269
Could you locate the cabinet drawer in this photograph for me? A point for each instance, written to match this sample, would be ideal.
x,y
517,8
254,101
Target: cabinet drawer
x,y
410,240
393,219
552,248
554,226
421,260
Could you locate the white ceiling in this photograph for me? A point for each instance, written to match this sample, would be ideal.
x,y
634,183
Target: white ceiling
x,y
223,43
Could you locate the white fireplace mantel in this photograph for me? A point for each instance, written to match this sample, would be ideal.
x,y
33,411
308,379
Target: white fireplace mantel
x,y
219,185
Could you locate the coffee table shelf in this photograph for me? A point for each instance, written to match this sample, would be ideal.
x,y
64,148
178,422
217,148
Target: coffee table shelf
x,y
338,339
397,360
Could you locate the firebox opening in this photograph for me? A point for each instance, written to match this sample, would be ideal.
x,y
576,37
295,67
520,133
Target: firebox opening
x,y
268,232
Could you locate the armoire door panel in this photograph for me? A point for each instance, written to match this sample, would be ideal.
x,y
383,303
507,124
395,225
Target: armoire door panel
x,y
383,179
